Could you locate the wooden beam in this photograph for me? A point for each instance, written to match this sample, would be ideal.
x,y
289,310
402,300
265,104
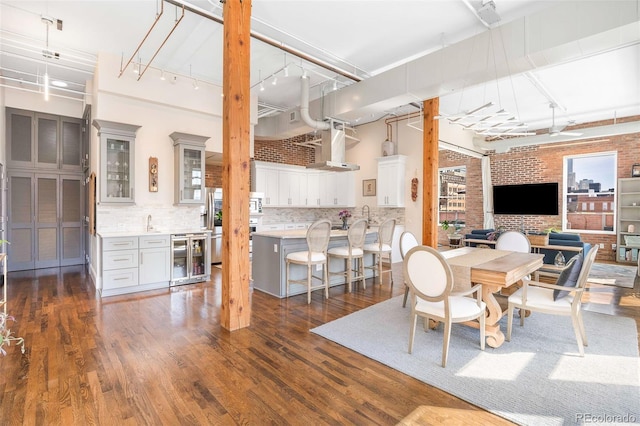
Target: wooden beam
x,y
430,136
236,309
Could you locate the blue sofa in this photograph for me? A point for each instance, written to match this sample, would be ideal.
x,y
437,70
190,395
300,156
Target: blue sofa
x,y
478,234
563,239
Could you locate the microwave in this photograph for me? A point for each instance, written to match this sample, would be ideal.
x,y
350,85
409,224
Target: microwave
x,y
255,202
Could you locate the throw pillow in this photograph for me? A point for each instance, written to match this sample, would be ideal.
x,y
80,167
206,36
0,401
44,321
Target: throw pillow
x,y
569,276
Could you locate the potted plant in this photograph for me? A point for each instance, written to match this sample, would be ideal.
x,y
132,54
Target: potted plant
x,y
344,215
453,232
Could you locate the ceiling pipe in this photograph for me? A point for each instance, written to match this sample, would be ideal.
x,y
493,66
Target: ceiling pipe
x,y
206,14
304,107
161,45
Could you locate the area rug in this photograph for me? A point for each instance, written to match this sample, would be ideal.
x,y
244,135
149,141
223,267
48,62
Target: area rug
x,y
536,379
609,274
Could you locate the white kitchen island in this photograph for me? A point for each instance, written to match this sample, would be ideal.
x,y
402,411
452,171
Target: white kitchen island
x,y
270,248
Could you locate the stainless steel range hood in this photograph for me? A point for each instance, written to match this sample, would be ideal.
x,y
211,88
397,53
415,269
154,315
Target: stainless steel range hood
x,y
333,137
333,150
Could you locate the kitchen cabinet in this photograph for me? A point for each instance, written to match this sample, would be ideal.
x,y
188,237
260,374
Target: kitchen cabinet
x,y
265,179
391,177
134,263
44,141
292,186
117,161
628,226
313,188
188,168
155,259
337,189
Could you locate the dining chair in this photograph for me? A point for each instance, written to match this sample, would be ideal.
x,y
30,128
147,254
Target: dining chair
x,y
317,242
562,298
353,251
382,249
407,242
513,241
431,280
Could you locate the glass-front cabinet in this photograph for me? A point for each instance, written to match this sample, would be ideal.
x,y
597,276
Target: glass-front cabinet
x,y
189,168
117,160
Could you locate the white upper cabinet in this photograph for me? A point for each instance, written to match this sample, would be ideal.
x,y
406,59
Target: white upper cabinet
x,y
264,178
391,176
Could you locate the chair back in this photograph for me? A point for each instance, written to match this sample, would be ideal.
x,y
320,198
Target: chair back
x,y
385,232
357,233
407,242
513,241
428,274
318,236
589,258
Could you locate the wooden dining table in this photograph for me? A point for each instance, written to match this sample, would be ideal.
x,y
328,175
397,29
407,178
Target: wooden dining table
x,y
494,270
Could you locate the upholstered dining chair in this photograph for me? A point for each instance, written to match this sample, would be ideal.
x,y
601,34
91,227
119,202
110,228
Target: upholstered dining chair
x,y
382,249
353,251
513,241
407,242
431,280
317,242
562,298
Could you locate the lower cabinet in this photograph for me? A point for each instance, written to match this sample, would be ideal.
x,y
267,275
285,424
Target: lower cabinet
x,y
136,263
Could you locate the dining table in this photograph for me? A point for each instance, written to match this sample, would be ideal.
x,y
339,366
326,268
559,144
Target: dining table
x,y
493,270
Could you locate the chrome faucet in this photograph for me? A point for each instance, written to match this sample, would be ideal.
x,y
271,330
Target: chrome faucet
x,y
368,214
149,225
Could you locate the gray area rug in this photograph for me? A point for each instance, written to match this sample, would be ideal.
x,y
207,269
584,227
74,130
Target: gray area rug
x,y
536,379
609,274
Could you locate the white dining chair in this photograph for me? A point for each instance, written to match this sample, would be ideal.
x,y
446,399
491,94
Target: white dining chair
x,y
513,241
318,236
407,242
431,280
381,249
352,252
548,298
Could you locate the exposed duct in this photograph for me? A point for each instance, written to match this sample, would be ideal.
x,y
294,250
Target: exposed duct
x,y
333,136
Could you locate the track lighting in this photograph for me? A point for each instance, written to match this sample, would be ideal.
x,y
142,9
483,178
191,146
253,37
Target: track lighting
x,y
335,85
46,85
195,85
162,75
286,71
261,86
275,80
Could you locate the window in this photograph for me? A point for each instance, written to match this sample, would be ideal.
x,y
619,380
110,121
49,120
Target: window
x,y
589,188
452,184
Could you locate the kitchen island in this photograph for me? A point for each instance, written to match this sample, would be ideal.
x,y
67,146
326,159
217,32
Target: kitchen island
x,y
270,248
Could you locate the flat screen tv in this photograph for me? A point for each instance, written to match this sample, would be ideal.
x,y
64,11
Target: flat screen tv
x,y
526,199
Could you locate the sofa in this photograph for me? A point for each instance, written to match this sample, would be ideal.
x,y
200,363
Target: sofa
x,y
563,239
478,234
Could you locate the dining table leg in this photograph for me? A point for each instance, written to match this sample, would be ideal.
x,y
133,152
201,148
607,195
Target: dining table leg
x,y
494,336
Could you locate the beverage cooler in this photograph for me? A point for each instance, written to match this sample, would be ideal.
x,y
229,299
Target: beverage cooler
x,y
189,258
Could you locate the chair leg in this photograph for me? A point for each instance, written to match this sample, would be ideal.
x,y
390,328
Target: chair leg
x,y
349,266
309,282
577,331
390,268
412,331
582,330
482,329
445,343
286,278
509,321
325,273
379,256
361,272
406,293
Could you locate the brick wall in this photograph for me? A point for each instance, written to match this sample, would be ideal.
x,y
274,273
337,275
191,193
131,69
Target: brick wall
x,y
543,163
284,151
213,176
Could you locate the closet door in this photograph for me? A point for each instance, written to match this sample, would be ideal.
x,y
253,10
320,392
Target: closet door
x,y
47,146
47,242
20,137
20,221
71,214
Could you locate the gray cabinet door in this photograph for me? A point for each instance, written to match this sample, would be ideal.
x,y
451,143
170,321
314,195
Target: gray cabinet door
x,y
47,244
71,220
20,221
20,136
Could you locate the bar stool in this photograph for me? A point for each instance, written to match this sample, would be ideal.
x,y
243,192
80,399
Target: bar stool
x,y
354,251
317,241
382,248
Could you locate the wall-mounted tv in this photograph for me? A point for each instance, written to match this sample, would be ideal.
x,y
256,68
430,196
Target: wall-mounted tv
x,y
526,199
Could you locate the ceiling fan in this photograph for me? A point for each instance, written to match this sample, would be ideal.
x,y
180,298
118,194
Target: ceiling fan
x,y
559,129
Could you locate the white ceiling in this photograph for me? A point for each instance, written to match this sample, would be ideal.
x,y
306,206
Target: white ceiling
x,y
361,38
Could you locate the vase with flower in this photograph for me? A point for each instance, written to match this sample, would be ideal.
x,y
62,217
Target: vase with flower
x,y
344,215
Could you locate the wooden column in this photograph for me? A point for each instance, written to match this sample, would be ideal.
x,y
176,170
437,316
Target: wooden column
x,y
430,135
236,308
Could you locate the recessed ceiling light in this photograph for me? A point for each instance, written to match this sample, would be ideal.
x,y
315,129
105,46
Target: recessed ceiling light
x,y
59,83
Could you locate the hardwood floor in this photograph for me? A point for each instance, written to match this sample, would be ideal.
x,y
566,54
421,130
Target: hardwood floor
x,y
161,358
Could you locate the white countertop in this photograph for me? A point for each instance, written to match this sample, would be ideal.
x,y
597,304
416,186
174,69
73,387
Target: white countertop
x,y
300,233
150,234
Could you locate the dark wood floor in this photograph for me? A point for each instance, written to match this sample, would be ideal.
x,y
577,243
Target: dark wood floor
x,y
161,358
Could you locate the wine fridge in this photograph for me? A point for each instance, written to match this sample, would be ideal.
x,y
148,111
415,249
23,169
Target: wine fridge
x,y
189,258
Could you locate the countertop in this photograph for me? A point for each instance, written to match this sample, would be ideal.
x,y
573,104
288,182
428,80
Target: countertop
x,y
152,233
300,233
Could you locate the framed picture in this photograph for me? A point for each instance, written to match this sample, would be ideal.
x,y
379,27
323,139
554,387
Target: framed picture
x,y
635,170
368,187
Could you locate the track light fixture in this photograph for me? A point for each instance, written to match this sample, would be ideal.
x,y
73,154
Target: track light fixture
x,y
261,86
275,80
162,75
195,85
